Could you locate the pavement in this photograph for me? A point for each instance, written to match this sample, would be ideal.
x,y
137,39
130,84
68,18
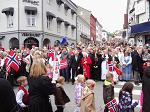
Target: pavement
x,y
69,88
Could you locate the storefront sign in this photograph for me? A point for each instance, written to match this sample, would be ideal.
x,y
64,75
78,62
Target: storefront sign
x,y
31,34
33,2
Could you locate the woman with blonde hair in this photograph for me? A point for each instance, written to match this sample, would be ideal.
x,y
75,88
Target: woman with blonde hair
x,y
40,87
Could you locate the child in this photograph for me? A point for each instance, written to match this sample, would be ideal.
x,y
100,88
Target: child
x,y
22,96
49,69
60,96
87,100
108,90
78,91
125,98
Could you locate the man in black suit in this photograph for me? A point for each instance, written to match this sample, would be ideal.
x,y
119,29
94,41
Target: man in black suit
x,y
75,64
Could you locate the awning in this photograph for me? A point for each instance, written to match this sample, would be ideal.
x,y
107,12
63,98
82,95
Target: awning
x,y
8,10
59,19
28,8
50,14
73,27
73,12
66,6
140,28
66,23
59,2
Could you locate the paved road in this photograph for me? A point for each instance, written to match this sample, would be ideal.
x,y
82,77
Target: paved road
x,y
98,96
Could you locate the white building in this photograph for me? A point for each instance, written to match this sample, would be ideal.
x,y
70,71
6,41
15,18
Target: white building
x,y
138,20
36,22
83,30
98,32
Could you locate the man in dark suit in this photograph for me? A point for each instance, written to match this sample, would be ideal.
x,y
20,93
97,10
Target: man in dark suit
x,y
75,64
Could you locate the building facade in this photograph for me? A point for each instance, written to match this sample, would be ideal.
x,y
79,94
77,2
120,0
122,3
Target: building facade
x,y
89,18
83,30
98,32
36,22
138,21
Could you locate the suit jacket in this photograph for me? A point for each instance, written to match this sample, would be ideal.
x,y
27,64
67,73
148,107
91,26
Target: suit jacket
x,y
75,63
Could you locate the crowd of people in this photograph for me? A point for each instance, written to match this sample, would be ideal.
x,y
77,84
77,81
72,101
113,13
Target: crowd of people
x,y
46,70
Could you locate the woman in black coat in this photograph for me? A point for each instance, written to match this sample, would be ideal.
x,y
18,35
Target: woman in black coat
x,y
40,87
7,97
146,90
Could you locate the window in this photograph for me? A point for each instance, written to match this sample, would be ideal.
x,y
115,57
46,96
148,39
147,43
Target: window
x,y
31,18
72,16
59,7
9,21
72,32
66,12
49,22
66,30
58,27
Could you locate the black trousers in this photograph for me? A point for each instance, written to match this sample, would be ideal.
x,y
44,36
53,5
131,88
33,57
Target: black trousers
x,y
60,109
74,74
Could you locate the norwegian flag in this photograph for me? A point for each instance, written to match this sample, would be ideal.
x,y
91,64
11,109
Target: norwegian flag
x,y
112,106
51,54
112,67
12,61
63,64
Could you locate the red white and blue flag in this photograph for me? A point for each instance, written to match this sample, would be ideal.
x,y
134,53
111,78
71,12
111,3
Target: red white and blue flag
x,y
12,62
63,64
112,106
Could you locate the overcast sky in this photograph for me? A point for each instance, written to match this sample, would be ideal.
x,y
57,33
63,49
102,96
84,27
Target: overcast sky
x,y
110,13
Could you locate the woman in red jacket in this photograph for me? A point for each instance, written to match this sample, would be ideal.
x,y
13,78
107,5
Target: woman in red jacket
x,y
85,62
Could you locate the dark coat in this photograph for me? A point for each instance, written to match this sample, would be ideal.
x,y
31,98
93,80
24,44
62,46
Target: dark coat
x,y
39,90
146,90
75,63
7,97
137,62
108,92
61,97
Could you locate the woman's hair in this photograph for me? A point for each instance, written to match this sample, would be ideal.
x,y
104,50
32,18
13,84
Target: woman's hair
x,y
21,80
127,87
38,68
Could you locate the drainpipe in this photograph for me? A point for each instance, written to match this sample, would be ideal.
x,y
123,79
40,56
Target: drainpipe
x,y
42,23
19,24
76,28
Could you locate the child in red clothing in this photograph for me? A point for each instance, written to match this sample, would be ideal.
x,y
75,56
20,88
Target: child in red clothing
x,y
22,96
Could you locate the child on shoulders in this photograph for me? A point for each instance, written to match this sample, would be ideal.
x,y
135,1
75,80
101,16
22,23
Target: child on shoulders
x,y
22,96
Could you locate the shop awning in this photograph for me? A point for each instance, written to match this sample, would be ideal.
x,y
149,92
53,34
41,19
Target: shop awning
x,y
66,23
140,28
59,2
73,27
8,10
59,19
66,6
73,12
28,8
50,14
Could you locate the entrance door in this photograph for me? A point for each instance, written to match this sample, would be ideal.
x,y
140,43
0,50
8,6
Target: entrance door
x,y
29,42
14,43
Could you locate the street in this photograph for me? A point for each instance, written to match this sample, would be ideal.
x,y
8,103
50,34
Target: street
x,y
69,88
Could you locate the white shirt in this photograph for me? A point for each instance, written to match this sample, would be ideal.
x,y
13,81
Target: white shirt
x,y
19,98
